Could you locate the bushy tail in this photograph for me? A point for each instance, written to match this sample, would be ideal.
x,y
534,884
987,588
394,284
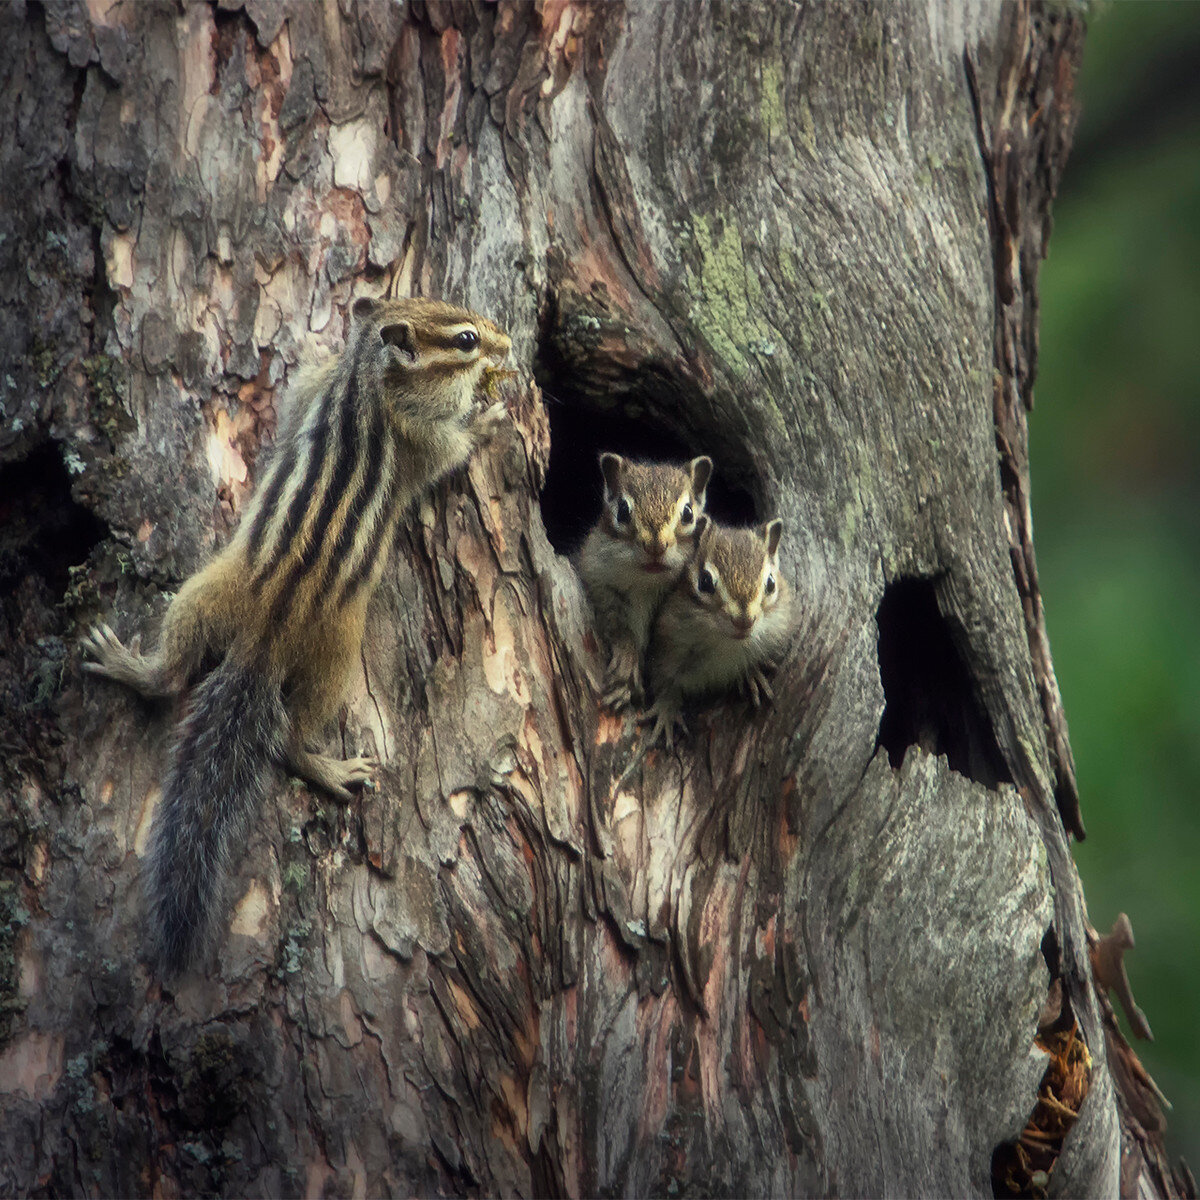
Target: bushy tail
x,y
213,789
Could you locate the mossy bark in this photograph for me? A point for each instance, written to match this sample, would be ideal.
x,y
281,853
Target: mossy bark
x,y
804,954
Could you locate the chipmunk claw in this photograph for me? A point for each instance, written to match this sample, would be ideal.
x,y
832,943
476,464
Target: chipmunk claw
x,y
336,776
353,773
667,722
361,770
105,648
622,681
620,694
756,687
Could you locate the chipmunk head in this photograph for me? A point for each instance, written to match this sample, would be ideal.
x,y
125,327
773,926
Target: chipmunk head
x,y
734,574
653,509
435,353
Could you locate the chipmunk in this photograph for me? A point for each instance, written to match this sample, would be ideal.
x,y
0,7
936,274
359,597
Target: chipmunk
x,y
281,609
633,556
727,622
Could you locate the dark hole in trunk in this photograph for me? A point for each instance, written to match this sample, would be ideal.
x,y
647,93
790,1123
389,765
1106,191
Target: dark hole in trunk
x,y
579,432
43,531
929,696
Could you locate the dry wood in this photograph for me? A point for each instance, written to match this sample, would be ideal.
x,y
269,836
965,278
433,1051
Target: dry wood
x,y
804,954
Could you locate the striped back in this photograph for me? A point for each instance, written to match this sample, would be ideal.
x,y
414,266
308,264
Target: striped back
x,y
319,526
369,432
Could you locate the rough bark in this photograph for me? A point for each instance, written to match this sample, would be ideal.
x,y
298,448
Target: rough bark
x,y
808,952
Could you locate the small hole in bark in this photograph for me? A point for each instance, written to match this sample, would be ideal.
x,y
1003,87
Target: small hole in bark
x,y
43,531
228,29
573,493
1051,953
929,696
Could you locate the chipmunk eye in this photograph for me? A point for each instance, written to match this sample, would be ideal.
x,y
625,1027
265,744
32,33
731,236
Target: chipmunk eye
x,y
770,585
687,516
467,340
624,511
706,583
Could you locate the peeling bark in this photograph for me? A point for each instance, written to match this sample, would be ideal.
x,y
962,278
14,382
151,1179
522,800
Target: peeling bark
x,y
807,953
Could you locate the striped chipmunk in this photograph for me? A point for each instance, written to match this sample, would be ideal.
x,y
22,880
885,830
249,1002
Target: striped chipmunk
x,y
281,609
634,554
727,622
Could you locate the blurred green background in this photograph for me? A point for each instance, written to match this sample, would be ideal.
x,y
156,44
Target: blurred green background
x,y
1115,455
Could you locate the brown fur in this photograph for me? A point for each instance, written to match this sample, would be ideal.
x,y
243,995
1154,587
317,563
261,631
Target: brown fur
x,y
612,561
705,642
283,614
282,607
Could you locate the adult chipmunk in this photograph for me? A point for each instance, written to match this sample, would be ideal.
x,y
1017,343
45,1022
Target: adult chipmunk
x,y
634,555
727,622
281,609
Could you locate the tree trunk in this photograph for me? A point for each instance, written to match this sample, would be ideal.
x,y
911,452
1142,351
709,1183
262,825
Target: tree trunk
x,y
829,948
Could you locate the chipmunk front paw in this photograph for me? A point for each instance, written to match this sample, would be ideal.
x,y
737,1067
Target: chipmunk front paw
x,y
755,685
622,681
666,721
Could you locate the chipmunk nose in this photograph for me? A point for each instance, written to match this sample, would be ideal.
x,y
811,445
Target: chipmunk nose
x,y
743,624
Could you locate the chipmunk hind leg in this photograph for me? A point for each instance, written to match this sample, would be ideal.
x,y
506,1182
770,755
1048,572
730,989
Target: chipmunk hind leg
x,y
317,682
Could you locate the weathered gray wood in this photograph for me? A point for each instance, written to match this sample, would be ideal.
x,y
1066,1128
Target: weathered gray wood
x,y
529,962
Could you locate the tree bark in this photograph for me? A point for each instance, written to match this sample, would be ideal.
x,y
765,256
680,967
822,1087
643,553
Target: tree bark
x,y
810,952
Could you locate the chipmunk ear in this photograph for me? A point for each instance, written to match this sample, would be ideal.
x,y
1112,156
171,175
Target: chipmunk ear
x,y
399,335
702,523
772,531
612,466
700,470
363,307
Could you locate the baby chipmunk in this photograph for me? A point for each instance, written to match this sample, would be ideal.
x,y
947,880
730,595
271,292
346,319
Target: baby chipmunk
x,y
635,554
726,622
281,609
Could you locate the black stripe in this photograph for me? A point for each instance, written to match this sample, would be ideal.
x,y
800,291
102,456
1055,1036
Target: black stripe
x,y
349,446
283,465
300,501
367,564
371,450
